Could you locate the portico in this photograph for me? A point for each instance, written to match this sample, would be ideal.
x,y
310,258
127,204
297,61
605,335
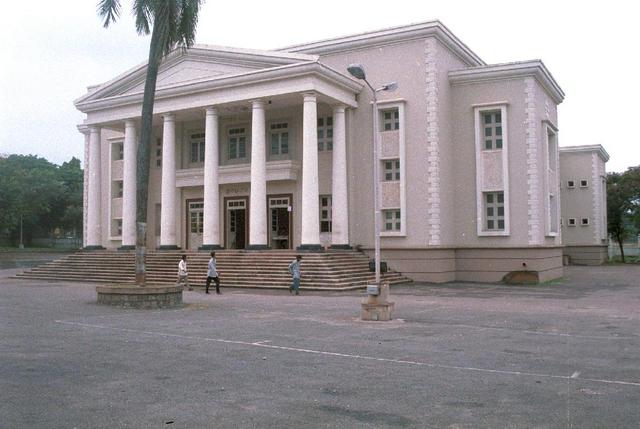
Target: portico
x,y
251,135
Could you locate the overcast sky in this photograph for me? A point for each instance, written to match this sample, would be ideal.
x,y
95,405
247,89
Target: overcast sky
x,y
53,50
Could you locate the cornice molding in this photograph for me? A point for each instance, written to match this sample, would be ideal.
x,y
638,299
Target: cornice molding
x,y
587,149
534,68
94,102
389,36
250,58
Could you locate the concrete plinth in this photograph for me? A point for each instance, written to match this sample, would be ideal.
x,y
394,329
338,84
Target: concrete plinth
x,y
378,307
147,297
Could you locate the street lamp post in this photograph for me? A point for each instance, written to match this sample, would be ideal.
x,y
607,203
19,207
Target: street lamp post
x,y
357,71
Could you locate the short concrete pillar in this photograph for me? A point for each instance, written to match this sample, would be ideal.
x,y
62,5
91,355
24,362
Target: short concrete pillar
x,y
378,308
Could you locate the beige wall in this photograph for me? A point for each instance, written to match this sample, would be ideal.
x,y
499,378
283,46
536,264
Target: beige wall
x,y
583,202
464,97
384,64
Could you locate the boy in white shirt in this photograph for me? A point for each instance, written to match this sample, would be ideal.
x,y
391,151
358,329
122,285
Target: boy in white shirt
x,y
183,275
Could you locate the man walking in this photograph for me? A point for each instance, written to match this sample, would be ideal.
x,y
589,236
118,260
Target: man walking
x,y
294,270
183,275
212,274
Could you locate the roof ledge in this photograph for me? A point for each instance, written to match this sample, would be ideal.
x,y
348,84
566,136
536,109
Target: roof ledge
x,y
535,68
389,36
586,148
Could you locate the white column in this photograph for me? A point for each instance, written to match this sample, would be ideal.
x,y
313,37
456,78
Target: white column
x,y
94,230
310,203
340,207
258,199
211,227
168,198
129,186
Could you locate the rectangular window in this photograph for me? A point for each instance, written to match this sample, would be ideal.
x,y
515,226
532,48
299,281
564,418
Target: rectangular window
x,y
584,183
237,143
494,211
571,221
157,219
391,219
279,138
571,184
196,217
325,133
584,221
550,180
389,119
158,152
117,151
117,188
325,213
197,148
492,130
391,170
116,227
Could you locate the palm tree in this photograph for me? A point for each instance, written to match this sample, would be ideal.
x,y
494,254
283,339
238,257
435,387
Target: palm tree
x,y
172,24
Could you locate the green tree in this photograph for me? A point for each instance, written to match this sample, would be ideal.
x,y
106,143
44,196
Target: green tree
x,y
72,178
172,23
30,193
623,205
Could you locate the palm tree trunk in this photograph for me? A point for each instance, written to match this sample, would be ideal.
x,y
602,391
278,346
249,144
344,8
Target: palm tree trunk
x,y
142,172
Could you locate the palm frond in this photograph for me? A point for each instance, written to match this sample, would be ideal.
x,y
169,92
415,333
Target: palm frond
x,y
142,12
109,10
188,22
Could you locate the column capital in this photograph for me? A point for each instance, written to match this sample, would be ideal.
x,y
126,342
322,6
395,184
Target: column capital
x,y
130,123
310,97
258,104
94,128
339,108
169,117
211,111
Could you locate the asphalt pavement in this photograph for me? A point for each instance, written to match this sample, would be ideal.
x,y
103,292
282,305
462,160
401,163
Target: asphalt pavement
x,y
559,355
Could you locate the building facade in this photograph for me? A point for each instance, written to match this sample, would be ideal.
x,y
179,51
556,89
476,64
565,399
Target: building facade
x,y
584,204
273,149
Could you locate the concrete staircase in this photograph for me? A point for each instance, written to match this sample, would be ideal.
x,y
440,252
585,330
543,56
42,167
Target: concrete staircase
x,y
333,270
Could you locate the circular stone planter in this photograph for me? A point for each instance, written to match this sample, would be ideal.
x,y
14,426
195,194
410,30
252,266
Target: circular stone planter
x,y
147,297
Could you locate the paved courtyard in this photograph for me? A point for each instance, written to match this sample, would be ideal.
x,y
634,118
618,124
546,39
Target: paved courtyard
x,y
559,355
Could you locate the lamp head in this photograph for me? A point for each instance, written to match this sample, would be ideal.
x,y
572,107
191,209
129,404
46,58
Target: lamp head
x,y
391,86
357,71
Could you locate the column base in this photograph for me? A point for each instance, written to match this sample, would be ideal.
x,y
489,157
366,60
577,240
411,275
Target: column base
x,y
168,247
93,247
258,247
127,247
340,247
210,247
310,248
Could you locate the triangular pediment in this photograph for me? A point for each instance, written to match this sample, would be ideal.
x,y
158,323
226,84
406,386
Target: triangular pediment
x,y
188,71
192,65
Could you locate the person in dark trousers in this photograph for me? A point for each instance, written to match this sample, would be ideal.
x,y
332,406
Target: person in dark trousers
x,y
294,270
212,274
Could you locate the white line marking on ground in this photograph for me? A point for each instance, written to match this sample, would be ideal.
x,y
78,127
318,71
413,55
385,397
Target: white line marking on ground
x,y
527,331
352,356
575,374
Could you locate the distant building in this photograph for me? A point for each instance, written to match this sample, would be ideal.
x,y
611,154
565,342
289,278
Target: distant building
x,y
272,149
584,203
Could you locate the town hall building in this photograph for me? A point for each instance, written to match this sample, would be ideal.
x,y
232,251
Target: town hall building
x,y
273,150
